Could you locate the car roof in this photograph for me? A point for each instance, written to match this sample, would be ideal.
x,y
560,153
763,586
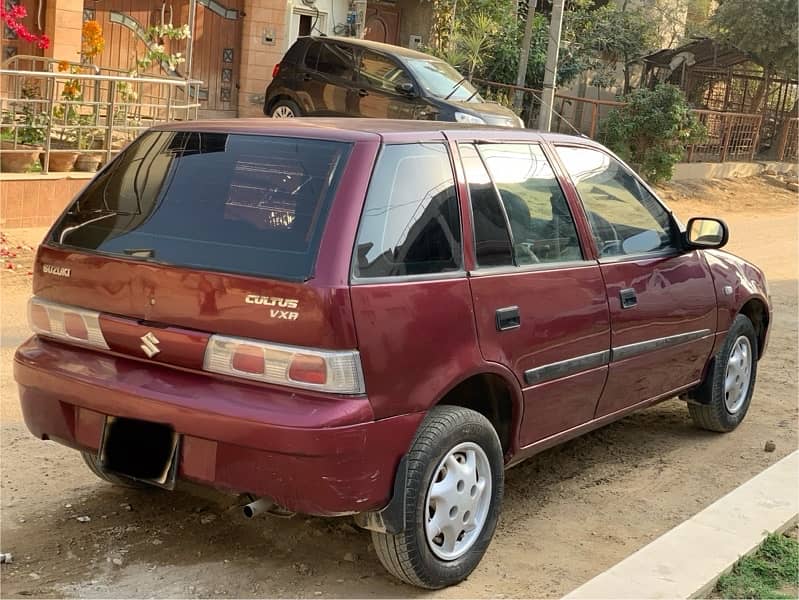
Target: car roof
x,y
354,129
378,46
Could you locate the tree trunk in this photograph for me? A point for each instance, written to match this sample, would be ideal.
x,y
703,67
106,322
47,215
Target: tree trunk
x,y
761,91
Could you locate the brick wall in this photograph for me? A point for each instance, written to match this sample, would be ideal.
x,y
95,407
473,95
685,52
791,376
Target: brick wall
x,y
258,58
63,23
31,202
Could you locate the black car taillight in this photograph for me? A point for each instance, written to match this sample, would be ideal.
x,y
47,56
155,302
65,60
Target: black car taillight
x,y
276,70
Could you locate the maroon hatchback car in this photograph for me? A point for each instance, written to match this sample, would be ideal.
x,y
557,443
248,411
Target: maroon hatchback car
x,y
374,318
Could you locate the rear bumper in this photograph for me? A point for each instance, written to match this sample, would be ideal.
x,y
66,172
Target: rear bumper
x,y
309,453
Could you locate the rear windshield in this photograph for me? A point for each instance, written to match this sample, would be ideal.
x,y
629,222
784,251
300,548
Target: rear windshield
x,y
248,204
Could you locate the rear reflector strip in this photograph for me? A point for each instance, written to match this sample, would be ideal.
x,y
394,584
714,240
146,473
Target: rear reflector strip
x,y
338,372
66,323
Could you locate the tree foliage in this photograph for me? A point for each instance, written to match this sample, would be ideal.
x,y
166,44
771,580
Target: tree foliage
x,y
598,39
652,130
766,29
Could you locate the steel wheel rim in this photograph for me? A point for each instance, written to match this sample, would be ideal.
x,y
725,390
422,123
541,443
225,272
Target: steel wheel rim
x,y
283,112
457,501
738,375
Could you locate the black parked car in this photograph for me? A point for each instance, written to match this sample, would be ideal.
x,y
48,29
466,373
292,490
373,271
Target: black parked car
x,y
332,76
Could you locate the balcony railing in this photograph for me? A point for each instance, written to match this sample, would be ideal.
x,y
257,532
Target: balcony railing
x,y
95,114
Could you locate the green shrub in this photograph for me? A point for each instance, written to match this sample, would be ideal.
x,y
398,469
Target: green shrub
x,y
652,130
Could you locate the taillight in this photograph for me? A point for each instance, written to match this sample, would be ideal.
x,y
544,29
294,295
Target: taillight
x,y
66,323
308,369
335,371
275,70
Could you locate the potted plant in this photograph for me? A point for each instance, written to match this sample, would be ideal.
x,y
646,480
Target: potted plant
x,y
87,161
21,141
66,124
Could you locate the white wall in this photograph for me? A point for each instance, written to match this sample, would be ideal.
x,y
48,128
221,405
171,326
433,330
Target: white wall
x,y
331,13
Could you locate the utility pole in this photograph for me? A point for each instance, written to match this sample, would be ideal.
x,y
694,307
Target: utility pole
x,y
551,68
524,56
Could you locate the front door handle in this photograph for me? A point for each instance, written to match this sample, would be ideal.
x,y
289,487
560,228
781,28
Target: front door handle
x,y
628,298
362,92
508,318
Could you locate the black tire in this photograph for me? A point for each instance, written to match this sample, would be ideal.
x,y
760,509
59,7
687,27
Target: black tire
x,y
408,555
288,105
94,466
708,404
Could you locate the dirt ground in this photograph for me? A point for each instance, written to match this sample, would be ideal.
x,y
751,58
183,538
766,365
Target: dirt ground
x,y
569,512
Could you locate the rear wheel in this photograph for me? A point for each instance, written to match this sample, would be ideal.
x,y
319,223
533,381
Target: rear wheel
x,y
285,109
93,463
721,402
453,496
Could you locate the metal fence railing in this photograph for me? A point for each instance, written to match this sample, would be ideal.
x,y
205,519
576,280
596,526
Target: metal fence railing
x,y
788,148
731,136
62,114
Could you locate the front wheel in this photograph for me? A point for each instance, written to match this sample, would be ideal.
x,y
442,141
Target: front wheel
x,y
722,400
453,496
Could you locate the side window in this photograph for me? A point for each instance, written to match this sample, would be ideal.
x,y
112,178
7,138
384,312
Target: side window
x,y
410,223
491,238
380,72
312,55
625,217
336,60
541,224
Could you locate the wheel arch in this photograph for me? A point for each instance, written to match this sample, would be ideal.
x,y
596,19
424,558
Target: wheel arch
x,y
503,407
756,310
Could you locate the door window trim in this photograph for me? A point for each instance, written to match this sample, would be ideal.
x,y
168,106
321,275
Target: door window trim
x,y
532,268
516,268
675,223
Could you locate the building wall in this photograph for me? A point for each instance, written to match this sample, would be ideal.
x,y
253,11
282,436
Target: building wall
x,y
415,19
63,23
270,27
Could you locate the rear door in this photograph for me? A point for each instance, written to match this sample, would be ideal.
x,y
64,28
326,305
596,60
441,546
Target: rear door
x,y
540,303
662,300
377,80
327,79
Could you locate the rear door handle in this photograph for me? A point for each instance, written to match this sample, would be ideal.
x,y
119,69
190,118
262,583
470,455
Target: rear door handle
x,y
508,318
628,298
362,93
307,77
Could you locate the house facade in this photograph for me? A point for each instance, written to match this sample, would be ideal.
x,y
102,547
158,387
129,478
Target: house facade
x,y
235,47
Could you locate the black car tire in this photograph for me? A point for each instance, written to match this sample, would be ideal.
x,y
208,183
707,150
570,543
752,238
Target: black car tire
x,y
94,466
409,555
285,107
710,404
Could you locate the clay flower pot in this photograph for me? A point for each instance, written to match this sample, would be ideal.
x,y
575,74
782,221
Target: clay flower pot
x,y
61,161
88,162
17,162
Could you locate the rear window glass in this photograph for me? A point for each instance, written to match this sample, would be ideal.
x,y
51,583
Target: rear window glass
x,y
236,203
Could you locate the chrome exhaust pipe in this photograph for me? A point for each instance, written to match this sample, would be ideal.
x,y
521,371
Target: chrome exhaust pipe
x,y
257,507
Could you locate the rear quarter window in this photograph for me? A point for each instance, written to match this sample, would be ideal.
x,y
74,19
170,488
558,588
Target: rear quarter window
x,y
410,223
248,204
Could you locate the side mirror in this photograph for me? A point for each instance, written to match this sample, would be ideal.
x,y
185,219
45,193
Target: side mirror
x,y
405,88
706,232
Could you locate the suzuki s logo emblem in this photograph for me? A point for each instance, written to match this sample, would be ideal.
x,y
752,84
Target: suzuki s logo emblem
x,y
150,344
